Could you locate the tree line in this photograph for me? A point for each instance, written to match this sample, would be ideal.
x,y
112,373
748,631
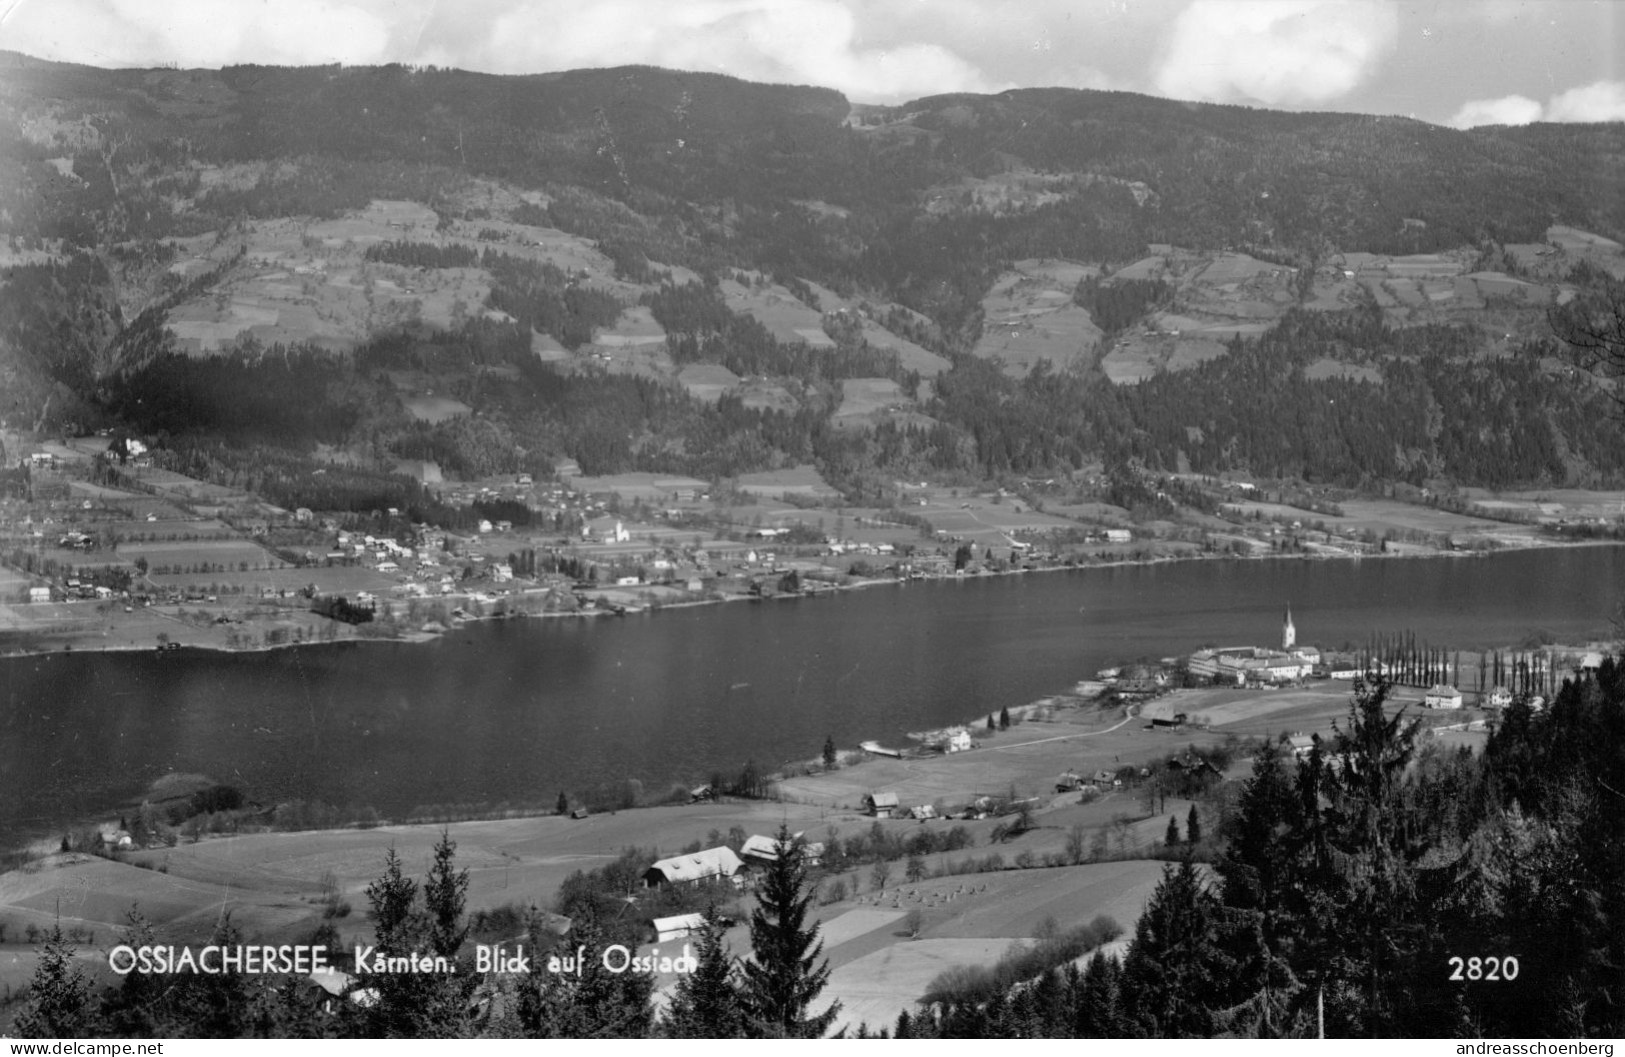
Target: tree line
x,y
1377,888
771,994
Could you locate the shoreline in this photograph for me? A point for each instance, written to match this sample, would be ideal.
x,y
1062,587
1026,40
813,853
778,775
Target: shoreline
x,y
69,643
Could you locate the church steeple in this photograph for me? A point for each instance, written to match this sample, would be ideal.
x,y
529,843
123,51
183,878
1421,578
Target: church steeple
x,y
1289,634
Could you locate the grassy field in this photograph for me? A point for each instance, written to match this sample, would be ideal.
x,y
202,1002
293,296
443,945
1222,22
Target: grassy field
x,y
862,398
1384,515
760,394
913,357
302,281
1250,712
1551,504
1030,316
980,519
1139,356
799,480
970,920
180,554
1328,368
434,408
635,327
179,487
650,487
338,579
1027,757
778,310
171,528
707,381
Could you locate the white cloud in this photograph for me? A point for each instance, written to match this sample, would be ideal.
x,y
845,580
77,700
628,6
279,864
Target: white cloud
x,y
1507,110
1276,52
1601,101
197,32
802,41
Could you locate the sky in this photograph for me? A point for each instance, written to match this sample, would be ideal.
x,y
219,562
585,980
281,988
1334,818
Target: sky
x,y
1451,62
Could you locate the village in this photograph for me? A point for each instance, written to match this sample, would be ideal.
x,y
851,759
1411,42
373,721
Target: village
x,y
94,521
100,548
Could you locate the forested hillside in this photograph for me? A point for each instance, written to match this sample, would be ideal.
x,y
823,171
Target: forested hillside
x,y
108,179
1378,888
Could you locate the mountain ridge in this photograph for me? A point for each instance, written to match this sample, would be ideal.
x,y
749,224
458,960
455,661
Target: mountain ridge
x,y
910,213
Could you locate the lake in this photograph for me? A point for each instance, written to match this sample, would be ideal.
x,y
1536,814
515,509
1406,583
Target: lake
x,y
518,710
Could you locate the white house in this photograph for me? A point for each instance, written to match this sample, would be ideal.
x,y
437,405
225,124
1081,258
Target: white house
x,y
1442,696
39,594
1498,697
1118,535
712,863
762,851
959,740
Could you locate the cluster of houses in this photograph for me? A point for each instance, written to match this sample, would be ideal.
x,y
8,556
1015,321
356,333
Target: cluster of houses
x,y
1256,665
723,864
889,805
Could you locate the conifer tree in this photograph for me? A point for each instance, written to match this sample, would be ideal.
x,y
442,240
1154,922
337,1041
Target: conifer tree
x,y
59,1002
594,1004
1175,972
392,896
1193,826
788,971
707,1003
1171,838
1098,1011
445,893
130,1010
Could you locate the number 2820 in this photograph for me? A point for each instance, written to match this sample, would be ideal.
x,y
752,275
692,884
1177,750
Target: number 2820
x,y
1492,968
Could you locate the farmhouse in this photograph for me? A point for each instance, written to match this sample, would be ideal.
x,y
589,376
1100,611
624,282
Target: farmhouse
x,y
1118,535
880,805
1442,696
39,594
762,851
1498,697
696,868
1301,745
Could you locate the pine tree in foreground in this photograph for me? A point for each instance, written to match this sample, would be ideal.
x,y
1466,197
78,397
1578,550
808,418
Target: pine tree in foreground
x,y
59,997
787,973
707,1003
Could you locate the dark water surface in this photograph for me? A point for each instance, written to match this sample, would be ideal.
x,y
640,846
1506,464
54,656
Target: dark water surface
x,y
518,710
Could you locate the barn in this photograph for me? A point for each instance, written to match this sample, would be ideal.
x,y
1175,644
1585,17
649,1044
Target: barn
x,y
881,805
